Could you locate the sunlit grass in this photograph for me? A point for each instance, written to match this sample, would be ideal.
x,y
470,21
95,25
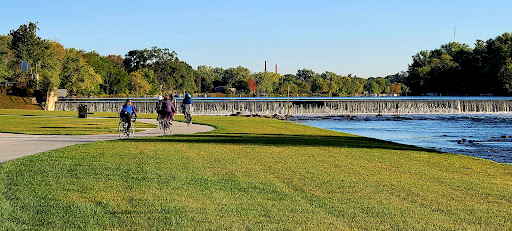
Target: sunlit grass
x,y
60,125
67,113
254,173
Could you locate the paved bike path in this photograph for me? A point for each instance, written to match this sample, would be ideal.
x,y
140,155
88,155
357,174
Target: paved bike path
x,y
14,146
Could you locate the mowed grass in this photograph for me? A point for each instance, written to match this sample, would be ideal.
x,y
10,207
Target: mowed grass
x,y
254,174
61,125
67,113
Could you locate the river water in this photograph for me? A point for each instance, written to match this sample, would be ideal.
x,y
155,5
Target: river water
x,y
484,136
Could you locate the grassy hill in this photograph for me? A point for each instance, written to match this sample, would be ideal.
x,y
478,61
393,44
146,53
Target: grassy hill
x,y
254,174
17,102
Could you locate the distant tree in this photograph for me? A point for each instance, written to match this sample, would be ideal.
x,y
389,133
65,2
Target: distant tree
x,y
6,56
77,76
319,85
266,81
138,84
305,74
252,85
51,66
505,76
288,85
304,87
207,75
232,75
26,45
396,88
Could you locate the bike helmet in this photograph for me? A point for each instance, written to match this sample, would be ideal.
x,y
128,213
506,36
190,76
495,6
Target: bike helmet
x,y
187,95
160,97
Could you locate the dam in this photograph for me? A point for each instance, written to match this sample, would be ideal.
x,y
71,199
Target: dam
x,y
308,106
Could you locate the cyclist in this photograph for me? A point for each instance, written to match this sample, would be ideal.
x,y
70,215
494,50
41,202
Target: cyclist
x,y
159,107
187,105
168,109
126,113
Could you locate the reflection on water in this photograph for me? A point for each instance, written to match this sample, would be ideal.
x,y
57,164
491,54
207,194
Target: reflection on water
x,y
484,136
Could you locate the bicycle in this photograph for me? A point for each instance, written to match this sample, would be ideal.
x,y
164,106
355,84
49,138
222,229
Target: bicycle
x,y
164,124
122,128
186,111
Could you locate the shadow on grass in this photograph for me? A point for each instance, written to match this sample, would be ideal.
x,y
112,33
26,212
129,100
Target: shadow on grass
x,y
284,140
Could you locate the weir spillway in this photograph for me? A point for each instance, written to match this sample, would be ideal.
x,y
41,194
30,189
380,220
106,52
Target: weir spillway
x,y
309,106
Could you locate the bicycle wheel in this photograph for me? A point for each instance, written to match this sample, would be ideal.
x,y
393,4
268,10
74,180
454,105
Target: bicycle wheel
x,y
131,133
160,124
189,119
165,126
121,129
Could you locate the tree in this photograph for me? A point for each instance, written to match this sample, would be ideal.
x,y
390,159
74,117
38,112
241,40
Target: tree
x,y
305,74
293,88
6,56
252,85
319,85
232,75
505,76
77,76
207,75
51,66
396,88
138,84
265,81
26,45
116,79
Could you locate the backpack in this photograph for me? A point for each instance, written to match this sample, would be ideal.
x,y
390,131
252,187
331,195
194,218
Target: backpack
x,y
166,106
159,106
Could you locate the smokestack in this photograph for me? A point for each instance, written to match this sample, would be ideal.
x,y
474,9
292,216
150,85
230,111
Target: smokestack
x,y
276,68
265,66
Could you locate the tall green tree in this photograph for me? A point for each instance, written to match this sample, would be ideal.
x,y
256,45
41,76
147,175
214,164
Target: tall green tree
x,y
6,56
77,76
26,45
51,66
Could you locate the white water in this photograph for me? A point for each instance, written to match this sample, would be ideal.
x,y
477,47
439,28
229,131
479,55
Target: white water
x,y
317,106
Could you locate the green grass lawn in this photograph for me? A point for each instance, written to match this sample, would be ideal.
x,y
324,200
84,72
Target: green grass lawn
x,y
254,173
67,113
61,125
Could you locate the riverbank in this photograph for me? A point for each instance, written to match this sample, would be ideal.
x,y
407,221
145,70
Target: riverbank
x,y
254,173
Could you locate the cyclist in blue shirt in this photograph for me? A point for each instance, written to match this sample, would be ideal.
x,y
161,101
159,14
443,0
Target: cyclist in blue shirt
x,y
186,106
126,113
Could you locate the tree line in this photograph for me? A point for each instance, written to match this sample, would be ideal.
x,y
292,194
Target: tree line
x,y
458,69
156,70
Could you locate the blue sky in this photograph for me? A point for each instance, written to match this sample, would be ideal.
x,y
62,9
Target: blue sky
x,y
363,38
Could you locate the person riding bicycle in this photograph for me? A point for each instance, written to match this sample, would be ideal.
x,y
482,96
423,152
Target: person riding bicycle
x,y
126,113
187,105
159,107
168,109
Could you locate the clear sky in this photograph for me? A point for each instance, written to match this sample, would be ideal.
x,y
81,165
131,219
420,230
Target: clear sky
x,y
363,38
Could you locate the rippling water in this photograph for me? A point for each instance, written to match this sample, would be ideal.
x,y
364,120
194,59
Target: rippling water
x,y
483,136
